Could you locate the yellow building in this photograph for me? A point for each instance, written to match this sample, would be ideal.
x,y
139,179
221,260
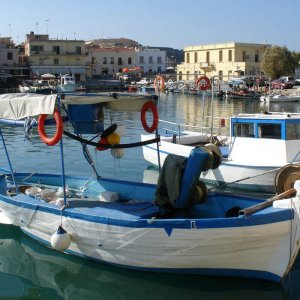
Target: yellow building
x,y
56,56
225,61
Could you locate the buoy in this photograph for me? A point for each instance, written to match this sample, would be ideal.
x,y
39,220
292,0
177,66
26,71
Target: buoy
x,y
117,152
60,240
102,141
113,139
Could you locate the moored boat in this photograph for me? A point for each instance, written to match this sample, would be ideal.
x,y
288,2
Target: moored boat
x,y
171,226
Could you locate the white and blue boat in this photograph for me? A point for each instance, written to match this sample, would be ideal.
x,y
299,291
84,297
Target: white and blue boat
x,y
172,226
257,146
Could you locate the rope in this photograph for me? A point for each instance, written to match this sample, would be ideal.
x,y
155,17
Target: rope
x,y
131,145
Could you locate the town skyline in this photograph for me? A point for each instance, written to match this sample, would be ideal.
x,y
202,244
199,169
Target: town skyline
x,y
166,23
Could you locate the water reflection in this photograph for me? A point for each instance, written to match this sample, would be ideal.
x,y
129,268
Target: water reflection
x,y
34,271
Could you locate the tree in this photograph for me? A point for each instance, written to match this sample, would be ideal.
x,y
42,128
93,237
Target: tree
x,y
278,61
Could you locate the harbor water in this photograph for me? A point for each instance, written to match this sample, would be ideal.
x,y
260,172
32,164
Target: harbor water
x,y
29,270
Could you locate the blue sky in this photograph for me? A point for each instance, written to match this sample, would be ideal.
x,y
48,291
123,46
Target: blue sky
x,y
169,23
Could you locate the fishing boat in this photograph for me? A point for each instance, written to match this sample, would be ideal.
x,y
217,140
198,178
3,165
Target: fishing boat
x,y
66,84
279,98
256,147
172,226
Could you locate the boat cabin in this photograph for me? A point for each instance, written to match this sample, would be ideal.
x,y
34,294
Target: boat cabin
x,y
265,139
267,126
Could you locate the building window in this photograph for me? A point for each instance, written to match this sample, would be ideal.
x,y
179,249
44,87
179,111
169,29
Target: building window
x,y
56,49
196,57
188,58
141,61
129,60
256,58
150,60
9,56
220,75
220,56
207,57
244,56
112,60
78,50
104,60
229,55
56,61
41,61
120,61
159,61
36,49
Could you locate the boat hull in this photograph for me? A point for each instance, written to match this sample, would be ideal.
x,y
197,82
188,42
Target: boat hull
x,y
233,176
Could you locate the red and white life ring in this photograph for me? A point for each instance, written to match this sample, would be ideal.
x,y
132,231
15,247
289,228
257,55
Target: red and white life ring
x,y
159,83
203,83
152,107
59,128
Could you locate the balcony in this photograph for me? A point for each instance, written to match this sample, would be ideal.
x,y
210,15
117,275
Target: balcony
x,y
206,67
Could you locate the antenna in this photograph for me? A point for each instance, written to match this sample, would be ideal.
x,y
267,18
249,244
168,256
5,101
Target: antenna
x,y
47,25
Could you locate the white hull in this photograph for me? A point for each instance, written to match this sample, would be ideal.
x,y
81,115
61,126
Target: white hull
x,y
255,177
66,88
254,251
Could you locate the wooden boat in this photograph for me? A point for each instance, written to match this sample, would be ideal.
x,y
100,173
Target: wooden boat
x,y
173,226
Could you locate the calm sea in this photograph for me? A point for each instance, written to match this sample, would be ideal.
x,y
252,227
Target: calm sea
x,y
29,270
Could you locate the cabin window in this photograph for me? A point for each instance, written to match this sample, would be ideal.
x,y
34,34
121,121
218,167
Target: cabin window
x,y
243,130
269,131
293,131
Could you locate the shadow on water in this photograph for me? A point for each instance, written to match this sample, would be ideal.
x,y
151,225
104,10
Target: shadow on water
x,y
29,270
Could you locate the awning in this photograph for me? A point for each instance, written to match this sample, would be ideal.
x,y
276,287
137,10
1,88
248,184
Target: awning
x,y
17,106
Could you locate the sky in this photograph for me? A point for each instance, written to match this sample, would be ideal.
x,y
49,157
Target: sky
x,y
165,23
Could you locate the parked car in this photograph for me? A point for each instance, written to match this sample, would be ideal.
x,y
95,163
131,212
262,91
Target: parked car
x,y
281,83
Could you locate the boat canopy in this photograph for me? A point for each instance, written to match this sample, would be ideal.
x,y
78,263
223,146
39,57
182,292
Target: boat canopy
x,y
21,105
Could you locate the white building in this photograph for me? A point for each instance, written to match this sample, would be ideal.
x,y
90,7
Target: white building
x,y
151,60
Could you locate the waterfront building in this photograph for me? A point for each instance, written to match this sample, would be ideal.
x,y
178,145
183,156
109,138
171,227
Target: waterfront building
x,y
56,56
9,62
226,60
152,61
111,61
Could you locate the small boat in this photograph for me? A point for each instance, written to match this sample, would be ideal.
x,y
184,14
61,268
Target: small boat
x,y
279,98
243,94
66,84
249,160
173,226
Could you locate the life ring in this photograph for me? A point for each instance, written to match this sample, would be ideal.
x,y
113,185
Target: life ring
x,y
159,83
203,83
59,128
149,105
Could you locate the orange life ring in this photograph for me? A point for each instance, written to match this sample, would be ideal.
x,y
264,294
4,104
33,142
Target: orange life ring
x,y
203,83
159,84
149,105
59,128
